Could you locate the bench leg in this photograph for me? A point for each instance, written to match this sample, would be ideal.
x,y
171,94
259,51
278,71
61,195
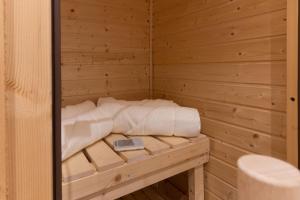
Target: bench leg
x,y
196,183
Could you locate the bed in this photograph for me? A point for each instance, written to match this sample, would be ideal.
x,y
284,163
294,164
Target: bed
x,y
100,173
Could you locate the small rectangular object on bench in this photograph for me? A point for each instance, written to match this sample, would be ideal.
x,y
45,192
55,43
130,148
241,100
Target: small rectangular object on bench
x,y
128,144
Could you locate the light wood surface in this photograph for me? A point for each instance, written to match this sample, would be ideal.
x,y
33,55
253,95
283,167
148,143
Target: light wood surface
x,y
129,156
196,183
228,59
76,167
292,82
105,160
174,141
3,153
28,99
116,181
105,49
266,178
152,144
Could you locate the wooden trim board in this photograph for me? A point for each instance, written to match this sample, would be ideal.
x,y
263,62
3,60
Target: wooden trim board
x,y
28,99
292,82
151,178
3,185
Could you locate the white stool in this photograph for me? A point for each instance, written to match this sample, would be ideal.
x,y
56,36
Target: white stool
x,y
267,178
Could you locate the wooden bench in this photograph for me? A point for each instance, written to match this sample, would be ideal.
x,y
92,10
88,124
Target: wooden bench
x,y
100,173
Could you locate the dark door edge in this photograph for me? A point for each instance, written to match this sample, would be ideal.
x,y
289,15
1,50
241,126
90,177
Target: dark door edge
x,y
56,100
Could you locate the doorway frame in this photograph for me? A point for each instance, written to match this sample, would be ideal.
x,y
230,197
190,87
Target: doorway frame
x,y
56,99
292,119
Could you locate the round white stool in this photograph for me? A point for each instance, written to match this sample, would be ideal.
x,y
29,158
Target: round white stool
x,y
267,178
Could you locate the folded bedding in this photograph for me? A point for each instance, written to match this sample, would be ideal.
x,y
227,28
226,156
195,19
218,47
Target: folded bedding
x,y
151,117
84,124
75,110
83,130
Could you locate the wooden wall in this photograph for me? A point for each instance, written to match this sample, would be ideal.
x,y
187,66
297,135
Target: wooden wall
x,y
25,100
228,59
105,49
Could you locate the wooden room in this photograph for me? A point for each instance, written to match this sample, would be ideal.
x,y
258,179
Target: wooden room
x,y
149,100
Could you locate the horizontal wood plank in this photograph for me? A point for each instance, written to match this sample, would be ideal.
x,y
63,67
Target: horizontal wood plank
x,y
231,10
265,73
76,167
222,170
265,25
152,144
271,97
174,142
129,156
126,95
219,187
107,72
272,48
266,121
103,156
87,87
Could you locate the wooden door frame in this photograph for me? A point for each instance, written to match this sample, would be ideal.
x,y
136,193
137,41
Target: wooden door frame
x,y
3,185
26,100
292,83
56,98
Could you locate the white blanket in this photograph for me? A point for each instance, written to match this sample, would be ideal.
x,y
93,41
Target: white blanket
x,y
75,110
151,117
83,124
83,130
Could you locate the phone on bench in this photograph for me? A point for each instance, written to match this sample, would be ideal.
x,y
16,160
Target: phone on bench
x,y
128,144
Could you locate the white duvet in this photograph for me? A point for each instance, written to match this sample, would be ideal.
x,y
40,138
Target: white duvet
x,y
86,124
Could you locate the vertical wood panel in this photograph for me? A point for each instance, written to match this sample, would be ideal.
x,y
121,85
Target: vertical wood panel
x,y
2,109
28,99
292,82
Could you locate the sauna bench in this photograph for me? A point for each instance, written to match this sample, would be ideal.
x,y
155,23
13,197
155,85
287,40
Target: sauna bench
x,y
98,172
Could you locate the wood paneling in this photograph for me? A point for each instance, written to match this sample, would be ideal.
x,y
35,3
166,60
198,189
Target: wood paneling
x,y
3,163
292,83
28,99
105,49
228,59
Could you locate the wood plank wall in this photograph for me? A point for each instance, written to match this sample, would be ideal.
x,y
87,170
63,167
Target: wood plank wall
x,y
105,49
228,59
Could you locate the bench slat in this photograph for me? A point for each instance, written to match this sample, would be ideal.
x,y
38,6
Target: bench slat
x,y
153,145
103,156
129,156
198,138
76,167
174,142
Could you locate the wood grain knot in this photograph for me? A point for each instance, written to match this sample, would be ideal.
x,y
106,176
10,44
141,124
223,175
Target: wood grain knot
x,y
118,178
